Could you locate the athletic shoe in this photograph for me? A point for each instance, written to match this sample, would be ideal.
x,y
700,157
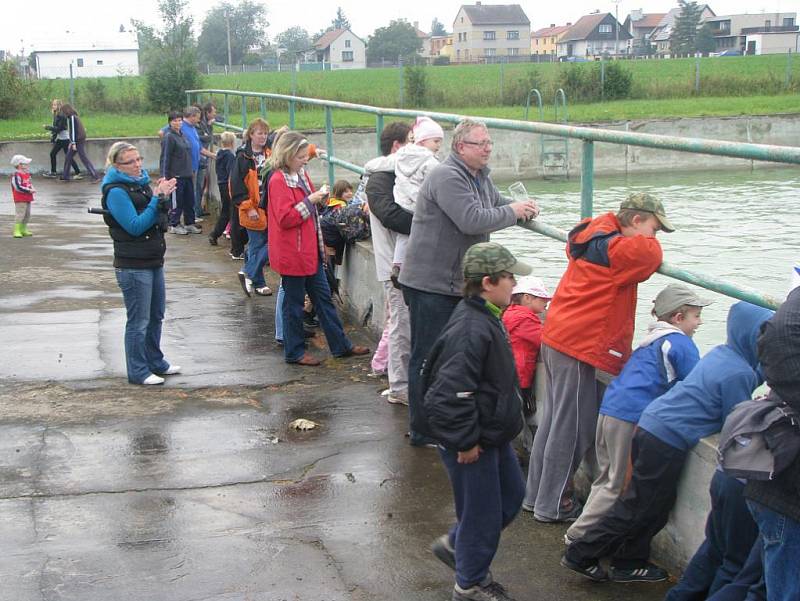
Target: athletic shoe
x,y
568,540
569,516
492,591
198,220
178,229
171,371
593,572
212,240
444,552
79,176
649,573
49,175
193,229
247,283
153,380
236,257
397,398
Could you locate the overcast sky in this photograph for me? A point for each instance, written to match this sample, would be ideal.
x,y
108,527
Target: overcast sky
x,y
43,19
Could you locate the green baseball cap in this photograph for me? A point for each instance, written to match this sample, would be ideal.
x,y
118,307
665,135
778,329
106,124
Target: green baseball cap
x,y
642,201
675,296
489,258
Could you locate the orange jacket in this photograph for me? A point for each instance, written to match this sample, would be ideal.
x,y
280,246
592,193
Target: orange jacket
x,y
592,314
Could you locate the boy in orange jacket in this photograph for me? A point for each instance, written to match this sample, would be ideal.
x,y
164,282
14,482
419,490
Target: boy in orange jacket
x,y
589,327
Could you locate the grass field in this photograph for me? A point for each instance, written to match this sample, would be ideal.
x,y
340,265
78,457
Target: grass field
x,y
661,88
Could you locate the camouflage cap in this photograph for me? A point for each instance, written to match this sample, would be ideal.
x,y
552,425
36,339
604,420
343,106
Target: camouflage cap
x,y
489,258
642,201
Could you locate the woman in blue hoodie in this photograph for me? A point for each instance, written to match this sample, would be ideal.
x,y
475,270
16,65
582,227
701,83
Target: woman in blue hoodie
x,y
672,424
136,215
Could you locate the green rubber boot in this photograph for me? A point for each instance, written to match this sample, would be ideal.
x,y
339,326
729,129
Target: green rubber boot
x,y
18,230
25,230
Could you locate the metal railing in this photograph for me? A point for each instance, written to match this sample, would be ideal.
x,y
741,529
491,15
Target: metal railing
x,y
588,137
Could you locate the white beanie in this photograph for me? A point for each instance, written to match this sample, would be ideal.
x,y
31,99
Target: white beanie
x,y
426,128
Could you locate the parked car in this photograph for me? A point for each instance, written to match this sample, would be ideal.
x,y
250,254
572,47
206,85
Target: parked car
x,y
573,59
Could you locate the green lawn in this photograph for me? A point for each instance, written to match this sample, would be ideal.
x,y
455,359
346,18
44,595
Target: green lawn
x,y
105,125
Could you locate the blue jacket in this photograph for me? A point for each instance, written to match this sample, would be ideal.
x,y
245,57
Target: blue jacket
x,y
664,357
728,374
224,163
121,207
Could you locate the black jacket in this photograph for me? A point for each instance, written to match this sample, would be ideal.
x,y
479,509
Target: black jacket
x,y
379,190
59,125
779,354
176,155
471,391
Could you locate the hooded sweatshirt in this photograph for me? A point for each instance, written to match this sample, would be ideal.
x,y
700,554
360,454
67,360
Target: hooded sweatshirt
x,y
412,165
387,219
727,375
525,335
664,357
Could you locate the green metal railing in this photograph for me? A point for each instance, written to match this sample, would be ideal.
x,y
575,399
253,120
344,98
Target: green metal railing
x,y
587,135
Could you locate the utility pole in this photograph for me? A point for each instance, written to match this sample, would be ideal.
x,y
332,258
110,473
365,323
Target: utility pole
x,y
616,27
228,27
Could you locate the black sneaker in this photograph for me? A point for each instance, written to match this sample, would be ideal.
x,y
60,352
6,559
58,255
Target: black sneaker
x,y
444,552
593,572
485,591
212,240
649,573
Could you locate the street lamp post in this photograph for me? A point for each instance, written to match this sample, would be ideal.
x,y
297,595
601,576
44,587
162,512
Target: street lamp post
x,y
616,27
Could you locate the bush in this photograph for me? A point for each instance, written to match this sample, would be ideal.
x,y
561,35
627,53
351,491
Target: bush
x,y
580,84
518,90
167,79
618,81
16,95
416,80
93,96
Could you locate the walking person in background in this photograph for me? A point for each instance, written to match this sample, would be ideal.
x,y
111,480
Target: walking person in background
x,y
59,138
77,143
224,162
22,192
136,215
176,163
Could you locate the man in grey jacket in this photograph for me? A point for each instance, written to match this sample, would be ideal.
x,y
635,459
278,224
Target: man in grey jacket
x,y
458,206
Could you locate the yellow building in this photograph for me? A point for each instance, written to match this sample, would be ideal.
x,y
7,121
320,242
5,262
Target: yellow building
x,y
545,41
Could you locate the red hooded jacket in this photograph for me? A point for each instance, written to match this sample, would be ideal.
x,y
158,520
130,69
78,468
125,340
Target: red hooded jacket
x,y
592,313
525,332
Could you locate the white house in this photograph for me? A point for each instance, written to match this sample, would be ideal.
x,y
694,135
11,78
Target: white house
x,y
342,49
772,42
91,55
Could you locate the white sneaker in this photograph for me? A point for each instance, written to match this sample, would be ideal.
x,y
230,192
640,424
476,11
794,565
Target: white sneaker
x,y
171,370
399,397
178,229
152,380
247,283
192,229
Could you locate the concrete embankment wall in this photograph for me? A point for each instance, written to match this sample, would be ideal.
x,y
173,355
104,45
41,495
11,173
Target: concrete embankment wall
x,y
684,532
516,155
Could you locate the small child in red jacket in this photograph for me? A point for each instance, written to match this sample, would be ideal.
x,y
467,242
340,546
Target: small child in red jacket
x,y
22,191
521,319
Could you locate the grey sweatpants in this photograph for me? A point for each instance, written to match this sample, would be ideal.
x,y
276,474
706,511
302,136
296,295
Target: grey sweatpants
x,y
566,430
22,212
399,339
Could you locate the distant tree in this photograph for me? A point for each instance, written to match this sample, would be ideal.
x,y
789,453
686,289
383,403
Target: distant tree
x,y
684,31
437,27
171,56
294,40
340,21
398,39
705,41
247,21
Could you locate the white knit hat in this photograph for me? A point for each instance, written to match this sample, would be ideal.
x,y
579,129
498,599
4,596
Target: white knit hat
x,y
426,128
533,286
20,159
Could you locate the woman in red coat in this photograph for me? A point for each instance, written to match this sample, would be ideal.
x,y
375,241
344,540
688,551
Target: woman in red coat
x,y
296,251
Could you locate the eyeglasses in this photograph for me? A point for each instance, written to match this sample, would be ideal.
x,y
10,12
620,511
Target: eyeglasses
x,y
132,161
482,144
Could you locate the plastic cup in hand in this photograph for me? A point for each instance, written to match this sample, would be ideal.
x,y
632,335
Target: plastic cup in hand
x,y
518,191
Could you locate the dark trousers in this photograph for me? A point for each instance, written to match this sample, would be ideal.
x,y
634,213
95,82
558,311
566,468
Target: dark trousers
x,y
428,314
61,146
238,233
730,534
80,149
640,512
749,583
488,495
224,212
184,202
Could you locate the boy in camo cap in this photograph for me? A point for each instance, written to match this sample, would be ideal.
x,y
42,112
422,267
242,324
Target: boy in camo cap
x,y
472,408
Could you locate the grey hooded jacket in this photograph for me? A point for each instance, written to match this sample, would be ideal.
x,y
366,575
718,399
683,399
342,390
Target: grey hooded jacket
x,y
454,211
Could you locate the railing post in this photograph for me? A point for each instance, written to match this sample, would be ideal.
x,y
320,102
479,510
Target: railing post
x,y
263,106
378,131
291,114
244,111
329,141
188,99
225,107
587,179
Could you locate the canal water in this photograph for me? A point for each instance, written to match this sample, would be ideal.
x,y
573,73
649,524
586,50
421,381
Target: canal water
x,y
740,226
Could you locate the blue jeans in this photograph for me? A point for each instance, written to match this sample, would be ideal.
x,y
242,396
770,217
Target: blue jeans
x,y
199,181
488,495
428,314
145,300
730,534
279,313
749,582
184,202
316,286
256,257
781,536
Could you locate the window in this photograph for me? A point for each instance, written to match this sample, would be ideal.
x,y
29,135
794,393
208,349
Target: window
x,y
80,62
490,52
347,43
552,40
99,62
512,35
604,28
767,24
513,52
788,22
537,42
489,35
347,56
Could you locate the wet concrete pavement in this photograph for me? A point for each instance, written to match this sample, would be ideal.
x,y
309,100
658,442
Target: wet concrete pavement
x,y
199,490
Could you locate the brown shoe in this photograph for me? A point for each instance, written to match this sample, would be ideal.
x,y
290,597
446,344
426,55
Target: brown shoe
x,y
355,351
308,360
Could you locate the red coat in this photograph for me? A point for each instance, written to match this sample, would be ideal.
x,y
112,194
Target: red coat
x,y
294,241
592,314
525,332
